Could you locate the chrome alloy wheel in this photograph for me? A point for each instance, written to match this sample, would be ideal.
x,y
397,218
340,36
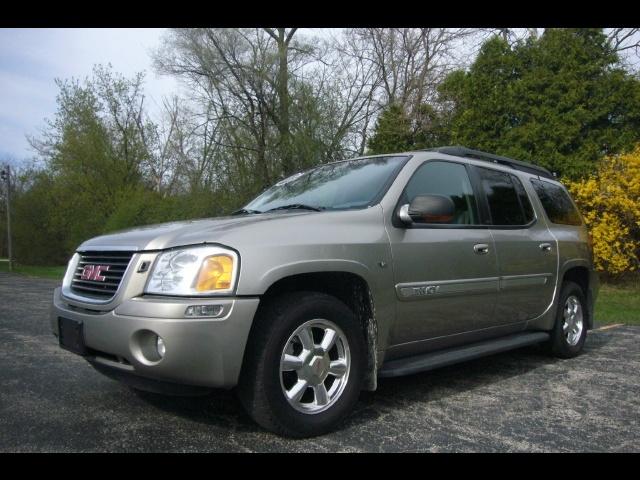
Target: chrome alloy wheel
x,y
314,366
573,320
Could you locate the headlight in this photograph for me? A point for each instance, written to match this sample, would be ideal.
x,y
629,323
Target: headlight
x,y
194,271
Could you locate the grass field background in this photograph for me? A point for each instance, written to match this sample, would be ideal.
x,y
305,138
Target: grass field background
x,y
33,271
617,302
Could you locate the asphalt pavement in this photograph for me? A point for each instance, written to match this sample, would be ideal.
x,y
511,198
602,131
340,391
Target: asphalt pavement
x,y
521,401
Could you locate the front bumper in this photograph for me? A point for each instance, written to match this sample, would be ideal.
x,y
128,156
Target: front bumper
x,y
203,352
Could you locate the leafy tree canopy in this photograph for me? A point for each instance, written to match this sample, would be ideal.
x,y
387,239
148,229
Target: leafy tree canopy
x,y
392,132
396,131
561,101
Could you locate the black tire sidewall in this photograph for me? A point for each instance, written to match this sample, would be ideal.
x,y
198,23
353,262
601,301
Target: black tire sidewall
x,y
559,344
307,308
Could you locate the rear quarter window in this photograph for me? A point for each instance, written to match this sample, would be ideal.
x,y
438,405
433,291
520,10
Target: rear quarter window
x,y
556,203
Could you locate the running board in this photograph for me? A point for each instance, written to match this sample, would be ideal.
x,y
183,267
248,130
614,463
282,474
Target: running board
x,y
442,358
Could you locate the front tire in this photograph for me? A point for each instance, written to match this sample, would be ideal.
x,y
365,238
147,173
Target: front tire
x,y
570,329
304,365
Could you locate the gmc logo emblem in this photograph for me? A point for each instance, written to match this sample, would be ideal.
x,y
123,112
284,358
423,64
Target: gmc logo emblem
x,y
92,272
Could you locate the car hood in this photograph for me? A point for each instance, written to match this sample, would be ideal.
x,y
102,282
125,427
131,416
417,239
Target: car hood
x,y
191,232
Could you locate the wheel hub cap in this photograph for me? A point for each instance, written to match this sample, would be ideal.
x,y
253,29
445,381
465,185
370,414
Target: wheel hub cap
x,y
314,366
573,320
318,368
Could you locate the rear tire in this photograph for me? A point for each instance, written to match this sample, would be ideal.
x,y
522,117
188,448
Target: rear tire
x,y
299,379
570,329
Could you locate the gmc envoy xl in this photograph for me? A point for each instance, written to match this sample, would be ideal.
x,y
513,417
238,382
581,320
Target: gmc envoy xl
x,y
333,278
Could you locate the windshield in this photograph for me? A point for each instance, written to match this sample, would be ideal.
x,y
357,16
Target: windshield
x,y
336,186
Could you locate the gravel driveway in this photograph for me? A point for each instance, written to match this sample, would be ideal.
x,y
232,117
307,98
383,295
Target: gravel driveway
x,y
52,400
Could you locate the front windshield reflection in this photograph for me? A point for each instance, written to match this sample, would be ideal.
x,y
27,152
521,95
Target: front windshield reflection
x,y
341,185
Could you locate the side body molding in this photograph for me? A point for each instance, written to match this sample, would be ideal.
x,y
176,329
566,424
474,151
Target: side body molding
x,y
407,292
435,289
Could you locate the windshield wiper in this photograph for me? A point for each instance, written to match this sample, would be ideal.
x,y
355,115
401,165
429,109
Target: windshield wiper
x,y
296,206
243,211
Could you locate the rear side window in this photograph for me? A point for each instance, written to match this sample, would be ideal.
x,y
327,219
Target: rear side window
x,y
508,202
556,203
524,199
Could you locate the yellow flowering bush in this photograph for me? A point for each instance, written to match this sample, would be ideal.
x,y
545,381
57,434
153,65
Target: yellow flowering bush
x,y
610,204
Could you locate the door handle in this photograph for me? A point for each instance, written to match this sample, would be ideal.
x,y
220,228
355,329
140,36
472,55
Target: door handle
x,y
481,248
545,247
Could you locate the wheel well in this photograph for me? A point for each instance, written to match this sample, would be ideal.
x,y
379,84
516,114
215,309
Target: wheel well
x,y
580,275
347,287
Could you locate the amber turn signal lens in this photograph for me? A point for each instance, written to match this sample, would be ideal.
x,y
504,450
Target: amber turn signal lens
x,y
215,273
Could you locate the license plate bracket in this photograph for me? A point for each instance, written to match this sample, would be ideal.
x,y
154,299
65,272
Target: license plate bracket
x,y
71,335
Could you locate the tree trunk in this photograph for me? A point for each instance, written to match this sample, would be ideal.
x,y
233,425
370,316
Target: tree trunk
x,y
283,94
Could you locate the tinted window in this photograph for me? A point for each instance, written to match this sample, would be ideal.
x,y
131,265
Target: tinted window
x,y
556,203
342,185
505,204
524,199
448,179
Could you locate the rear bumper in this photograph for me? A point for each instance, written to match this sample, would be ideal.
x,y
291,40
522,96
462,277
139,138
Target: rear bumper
x,y
204,352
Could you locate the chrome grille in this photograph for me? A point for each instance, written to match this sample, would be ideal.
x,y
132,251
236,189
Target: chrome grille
x,y
117,263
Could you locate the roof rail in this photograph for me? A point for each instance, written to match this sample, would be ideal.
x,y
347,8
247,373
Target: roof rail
x,y
490,157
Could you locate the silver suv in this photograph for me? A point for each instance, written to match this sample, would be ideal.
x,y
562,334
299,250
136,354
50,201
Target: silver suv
x,y
332,278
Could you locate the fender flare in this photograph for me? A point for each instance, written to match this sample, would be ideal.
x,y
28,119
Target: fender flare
x,y
279,272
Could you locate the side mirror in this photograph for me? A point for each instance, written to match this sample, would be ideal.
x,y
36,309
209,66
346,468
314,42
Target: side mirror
x,y
428,209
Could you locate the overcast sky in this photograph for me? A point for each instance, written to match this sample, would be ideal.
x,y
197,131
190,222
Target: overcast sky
x,y
30,60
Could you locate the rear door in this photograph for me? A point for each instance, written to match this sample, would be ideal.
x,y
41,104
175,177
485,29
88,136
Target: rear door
x,y
526,250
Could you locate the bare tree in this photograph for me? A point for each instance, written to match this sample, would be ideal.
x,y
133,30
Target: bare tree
x,y
626,43
621,39
123,102
161,162
402,66
244,77
283,38
277,100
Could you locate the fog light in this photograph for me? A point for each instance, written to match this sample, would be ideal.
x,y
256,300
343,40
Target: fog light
x,y
203,311
160,346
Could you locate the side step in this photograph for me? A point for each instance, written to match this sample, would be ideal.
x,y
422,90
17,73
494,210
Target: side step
x,y
442,358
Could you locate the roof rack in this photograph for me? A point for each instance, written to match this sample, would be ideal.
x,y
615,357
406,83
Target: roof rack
x,y
490,157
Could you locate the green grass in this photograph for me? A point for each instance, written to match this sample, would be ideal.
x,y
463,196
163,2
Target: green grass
x,y
617,303
35,271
